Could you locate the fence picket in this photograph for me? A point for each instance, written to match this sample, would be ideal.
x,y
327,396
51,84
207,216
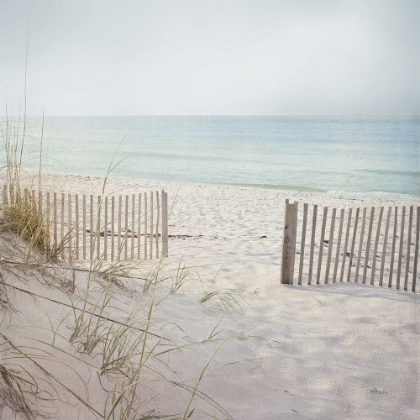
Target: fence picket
x,y
410,227
283,269
294,233
15,196
98,228
157,223
133,213
69,227
400,249
359,251
311,256
48,217
62,224
365,265
5,195
151,225
40,202
119,250
112,228
375,249
346,242
385,244
84,221
337,252
91,227
353,242
400,253
416,251
77,227
394,240
139,227
106,229
145,226
283,248
321,244
302,243
164,224
330,245
126,227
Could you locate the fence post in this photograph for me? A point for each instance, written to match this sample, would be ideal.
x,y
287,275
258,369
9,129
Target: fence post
x,y
164,224
302,243
289,243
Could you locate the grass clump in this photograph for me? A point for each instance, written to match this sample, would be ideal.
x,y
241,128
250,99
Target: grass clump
x,y
23,218
21,215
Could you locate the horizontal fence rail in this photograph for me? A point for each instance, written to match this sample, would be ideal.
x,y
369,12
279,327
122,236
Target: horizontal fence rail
x,y
87,227
376,246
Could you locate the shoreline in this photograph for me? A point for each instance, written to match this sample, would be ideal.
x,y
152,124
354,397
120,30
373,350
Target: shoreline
x,y
68,179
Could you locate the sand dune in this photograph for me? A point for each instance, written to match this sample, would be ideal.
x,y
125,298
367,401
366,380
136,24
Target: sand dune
x,y
311,352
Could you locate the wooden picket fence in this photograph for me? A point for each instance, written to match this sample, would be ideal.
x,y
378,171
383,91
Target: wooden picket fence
x,y
379,246
87,227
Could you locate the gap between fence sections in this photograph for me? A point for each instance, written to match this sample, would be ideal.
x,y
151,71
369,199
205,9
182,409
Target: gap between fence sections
x,y
86,227
377,246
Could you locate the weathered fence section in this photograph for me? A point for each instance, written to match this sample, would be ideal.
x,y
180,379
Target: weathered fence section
x,y
87,227
378,246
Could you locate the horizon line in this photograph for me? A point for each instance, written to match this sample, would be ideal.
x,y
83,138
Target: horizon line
x,y
223,115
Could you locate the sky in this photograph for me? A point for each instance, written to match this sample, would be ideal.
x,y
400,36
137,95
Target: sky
x,y
199,57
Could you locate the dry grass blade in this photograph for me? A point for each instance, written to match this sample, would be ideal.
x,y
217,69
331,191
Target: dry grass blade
x,y
4,299
181,276
13,388
226,300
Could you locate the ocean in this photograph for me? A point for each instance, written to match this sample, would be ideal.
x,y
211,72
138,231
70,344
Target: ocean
x,y
339,155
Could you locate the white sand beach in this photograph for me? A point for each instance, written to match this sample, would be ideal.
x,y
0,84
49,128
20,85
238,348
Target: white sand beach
x,y
253,252
337,351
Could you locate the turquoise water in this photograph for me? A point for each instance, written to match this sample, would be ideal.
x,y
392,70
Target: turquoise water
x,y
366,155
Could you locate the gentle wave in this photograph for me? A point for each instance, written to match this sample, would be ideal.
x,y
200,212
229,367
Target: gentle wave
x,y
279,187
392,172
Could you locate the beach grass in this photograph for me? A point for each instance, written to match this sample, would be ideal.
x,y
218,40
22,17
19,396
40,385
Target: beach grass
x,y
128,352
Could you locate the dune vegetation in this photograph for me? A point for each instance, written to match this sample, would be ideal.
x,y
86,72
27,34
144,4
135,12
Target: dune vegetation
x,y
94,340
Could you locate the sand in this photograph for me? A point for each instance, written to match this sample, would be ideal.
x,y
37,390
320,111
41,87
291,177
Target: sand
x,y
342,351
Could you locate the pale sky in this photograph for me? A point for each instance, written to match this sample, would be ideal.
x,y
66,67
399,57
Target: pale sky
x,y
199,57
